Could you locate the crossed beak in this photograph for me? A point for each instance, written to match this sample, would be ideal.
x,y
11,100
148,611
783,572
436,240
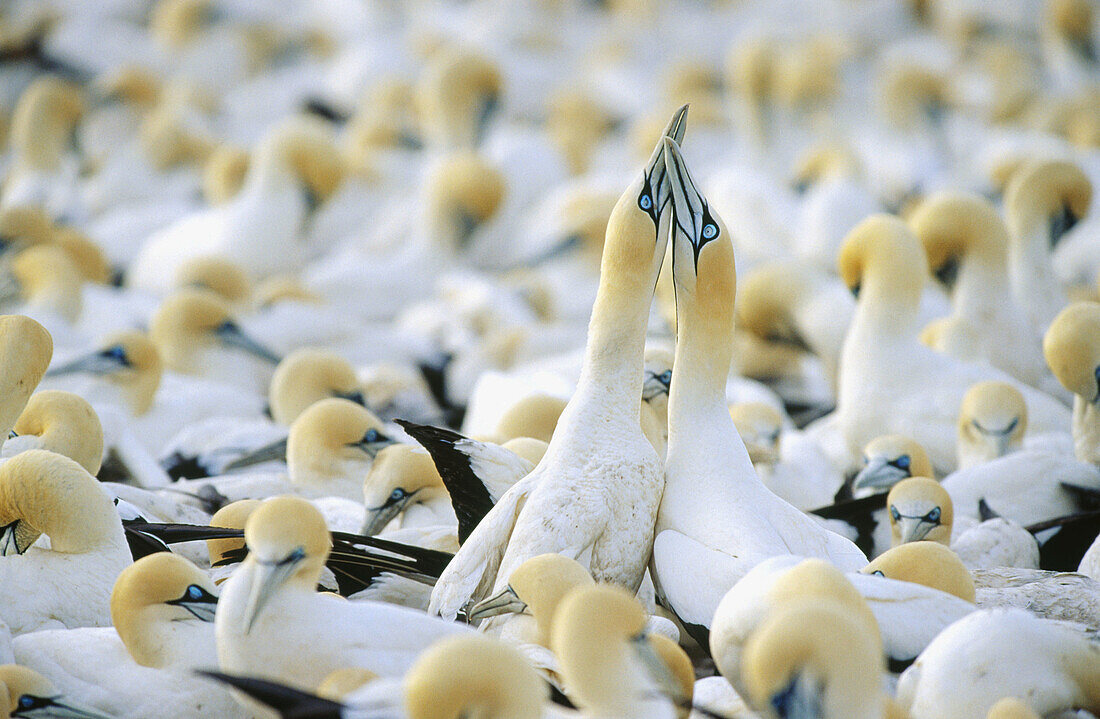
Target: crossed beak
x,y
690,212
503,602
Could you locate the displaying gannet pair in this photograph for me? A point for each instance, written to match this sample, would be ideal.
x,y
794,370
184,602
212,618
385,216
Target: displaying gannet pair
x,y
598,468
716,518
162,608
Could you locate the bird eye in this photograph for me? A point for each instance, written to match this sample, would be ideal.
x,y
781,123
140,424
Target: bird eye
x,y
371,435
878,573
710,231
855,290
397,494
194,592
895,513
903,462
645,202
666,376
934,515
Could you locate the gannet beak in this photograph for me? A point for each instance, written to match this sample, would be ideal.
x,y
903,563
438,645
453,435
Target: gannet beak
x,y
656,385
691,215
354,396
800,699
269,576
878,474
274,452
486,110
378,517
657,670
1061,223
373,442
103,362
655,172
503,602
913,529
232,335
10,288
9,540
32,707
286,701
199,602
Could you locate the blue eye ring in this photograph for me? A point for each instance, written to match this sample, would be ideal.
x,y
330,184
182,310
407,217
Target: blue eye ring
x,y
194,592
371,435
397,494
904,461
934,515
895,513
26,701
645,202
878,573
710,231
666,376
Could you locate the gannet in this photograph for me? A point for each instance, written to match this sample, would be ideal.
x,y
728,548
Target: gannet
x,y
403,481
1073,353
992,423
1042,201
996,653
708,474
45,493
930,564
60,422
26,693
272,622
966,242
598,437
887,460
216,274
883,262
162,607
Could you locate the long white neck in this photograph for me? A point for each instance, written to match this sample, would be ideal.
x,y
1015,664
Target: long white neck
x,y
982,287
1033,281
1086,430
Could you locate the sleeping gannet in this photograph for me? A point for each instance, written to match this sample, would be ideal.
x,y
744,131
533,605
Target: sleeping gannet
x,y
60,422
45,493
930,564
162,607
25,694
599,463
882,261
716,518
1073,353
1043,200
996,653
272,622
966,242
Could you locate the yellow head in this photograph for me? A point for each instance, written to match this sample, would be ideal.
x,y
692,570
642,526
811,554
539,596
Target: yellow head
x,y
882,261
44,120
759,426
824,162
85,254
218,275
306,376
223,174
305,147
402,475
192,320
456,96
1054,192
1072,349
463,192
66,424
528,448
48,277
290,530
130,84
25,352
818,579
577,122
331,437
175,23
952,226
542,582
928,563
888,459
337,685
533,416
920,508
22,688
152,592
1011,708
232,516
992,419
912,95
25,225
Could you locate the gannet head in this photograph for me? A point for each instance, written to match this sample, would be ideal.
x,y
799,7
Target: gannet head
x,y
66,424
759,426
824,162
306,376
953,225
331,439
604,652
168,142
385,119
751,69
283,288
191,320
223,174
811,659
920,508
25,352
44,120
697,83
23,226
46,493
288,543
26,694
806,74
1053,194
533,416
768,295
658,378
457,96
1011,708
128,360
1073,20
913,95
232,516
153,591
85,254
45,276
932,564
305,148
576,123
881,257
1072,349
819,579
529,448
402,475
538,585
216,274
473,675
463,191
889,459
992,420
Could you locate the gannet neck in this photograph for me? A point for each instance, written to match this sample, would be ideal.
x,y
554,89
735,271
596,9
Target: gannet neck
x,y
152,597
1086,431
882,262
66,424
473,676
25,352
55,496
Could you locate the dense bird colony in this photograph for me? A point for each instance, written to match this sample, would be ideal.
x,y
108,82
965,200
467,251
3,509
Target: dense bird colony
x,y
507,359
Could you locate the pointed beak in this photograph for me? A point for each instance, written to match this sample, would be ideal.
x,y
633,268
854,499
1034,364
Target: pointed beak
x,y
913,529
274,452
800,699
503,602
202,609
656,171
373,442
266,580
656,385
230,334
691,218
877,474
355,396
286,701
378,517
486,110
55,708
97,363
